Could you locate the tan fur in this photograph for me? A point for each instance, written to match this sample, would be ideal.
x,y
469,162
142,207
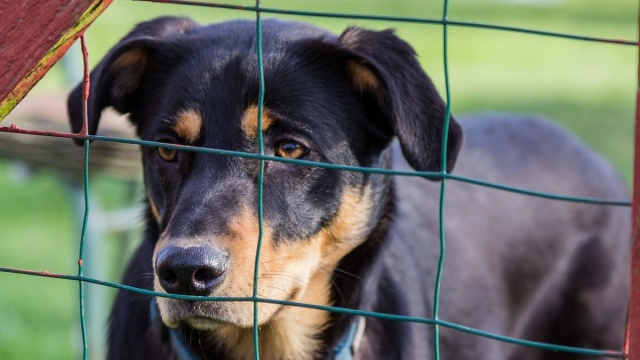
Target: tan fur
x,y
249,121
364,80
129,68
188,124
296,270
154,208
134,58
348,229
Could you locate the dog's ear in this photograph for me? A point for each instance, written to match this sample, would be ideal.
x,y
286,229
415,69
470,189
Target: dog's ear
x,y
116,78
386,67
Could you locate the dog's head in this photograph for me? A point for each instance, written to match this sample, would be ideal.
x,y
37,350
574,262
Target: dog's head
x,y
334,99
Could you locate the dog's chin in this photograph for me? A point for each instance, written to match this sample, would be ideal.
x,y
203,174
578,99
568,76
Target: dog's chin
x,y
205,324
195,322
212,315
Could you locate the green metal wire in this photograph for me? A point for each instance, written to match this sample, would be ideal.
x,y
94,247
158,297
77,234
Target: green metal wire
x,y
423,174
256,270
457,327
443,185
404,19
83,236
85,220
435,321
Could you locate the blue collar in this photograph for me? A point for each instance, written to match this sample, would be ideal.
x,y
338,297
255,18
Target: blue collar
x,y
345,350
348,346
176,341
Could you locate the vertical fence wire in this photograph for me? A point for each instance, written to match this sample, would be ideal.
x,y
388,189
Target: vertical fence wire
x,y
443,185
85,221
436,322
256,271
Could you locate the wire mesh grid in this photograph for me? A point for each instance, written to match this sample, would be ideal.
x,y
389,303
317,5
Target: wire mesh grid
x,y
260,156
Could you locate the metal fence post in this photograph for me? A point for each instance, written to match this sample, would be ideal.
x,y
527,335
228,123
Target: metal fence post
x,y
632,340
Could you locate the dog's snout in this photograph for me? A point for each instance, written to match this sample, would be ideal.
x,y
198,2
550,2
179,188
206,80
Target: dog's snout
x,y
190,271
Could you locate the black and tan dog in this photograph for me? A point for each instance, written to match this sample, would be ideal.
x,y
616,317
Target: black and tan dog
x,y
519,266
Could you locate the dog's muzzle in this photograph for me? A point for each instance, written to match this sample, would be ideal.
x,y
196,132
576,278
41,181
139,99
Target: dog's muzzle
x,y
191,270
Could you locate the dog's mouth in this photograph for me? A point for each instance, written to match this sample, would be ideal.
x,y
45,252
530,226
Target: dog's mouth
x,y
211,315
200,315
204,323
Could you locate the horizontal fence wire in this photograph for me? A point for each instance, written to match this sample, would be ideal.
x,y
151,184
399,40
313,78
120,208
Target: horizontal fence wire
x,y
445,22
450,325
406,19
332,166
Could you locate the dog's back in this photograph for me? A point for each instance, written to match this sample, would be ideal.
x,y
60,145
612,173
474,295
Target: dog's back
x,y
543,270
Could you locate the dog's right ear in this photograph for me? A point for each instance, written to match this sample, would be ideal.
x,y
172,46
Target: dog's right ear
x,y
386,67
116,78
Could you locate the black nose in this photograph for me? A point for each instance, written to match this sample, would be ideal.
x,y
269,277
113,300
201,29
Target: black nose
x,y
190,271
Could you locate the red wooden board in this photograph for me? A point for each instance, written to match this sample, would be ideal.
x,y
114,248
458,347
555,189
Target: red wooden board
x,y
35,34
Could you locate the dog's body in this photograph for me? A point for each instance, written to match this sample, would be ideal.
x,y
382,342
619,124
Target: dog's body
x,y
520,266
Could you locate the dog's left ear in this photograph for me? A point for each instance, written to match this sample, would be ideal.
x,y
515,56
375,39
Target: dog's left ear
x,y
116,79
386,67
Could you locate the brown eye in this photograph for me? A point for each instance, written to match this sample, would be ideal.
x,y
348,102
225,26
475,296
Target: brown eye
x,y
167,154
290,150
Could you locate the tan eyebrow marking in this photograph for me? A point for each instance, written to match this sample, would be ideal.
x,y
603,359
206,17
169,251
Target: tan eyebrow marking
x,y
249,121
188,125
154,208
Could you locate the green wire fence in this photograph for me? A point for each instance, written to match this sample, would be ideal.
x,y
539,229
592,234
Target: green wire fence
x,y
435,321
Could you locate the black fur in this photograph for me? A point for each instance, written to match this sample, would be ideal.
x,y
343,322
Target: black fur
x,y
517,266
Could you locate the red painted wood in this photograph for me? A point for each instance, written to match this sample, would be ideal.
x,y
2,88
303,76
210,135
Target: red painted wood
x,y
31,38
30,29
632,341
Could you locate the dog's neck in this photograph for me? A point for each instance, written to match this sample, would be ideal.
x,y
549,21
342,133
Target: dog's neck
x,y
294,334
355,270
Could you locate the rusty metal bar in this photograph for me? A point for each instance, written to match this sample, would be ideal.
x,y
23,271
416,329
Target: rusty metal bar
x,y
632,339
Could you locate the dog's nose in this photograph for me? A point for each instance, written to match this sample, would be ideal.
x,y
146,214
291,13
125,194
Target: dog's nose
x,y
190,271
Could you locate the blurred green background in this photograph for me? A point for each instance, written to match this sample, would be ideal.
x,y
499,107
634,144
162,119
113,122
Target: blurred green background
x,y
589,87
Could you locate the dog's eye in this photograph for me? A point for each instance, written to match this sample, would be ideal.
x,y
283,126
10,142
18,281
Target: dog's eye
x,y
167,154
290,149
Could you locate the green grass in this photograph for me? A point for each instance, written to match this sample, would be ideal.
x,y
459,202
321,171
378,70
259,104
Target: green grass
x,y
33,309
588,87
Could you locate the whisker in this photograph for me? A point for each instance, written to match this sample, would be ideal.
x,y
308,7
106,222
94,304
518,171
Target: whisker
x,y
297,257
281,275
347,274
